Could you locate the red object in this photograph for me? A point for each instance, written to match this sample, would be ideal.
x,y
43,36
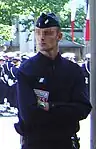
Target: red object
x,y
72,30
73,13
87,28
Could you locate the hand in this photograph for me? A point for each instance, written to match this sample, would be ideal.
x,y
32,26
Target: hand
x,y
46,108
43,104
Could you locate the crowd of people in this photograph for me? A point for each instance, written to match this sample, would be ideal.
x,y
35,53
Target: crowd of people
x,y
9,64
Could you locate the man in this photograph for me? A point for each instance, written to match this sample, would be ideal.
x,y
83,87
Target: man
x,y
86,69
51,92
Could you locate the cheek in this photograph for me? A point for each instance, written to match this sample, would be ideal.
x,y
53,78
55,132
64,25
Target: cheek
x,y
52,42
52,39
37,39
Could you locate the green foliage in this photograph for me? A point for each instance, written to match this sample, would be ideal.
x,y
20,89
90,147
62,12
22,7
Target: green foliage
x,y
65,17
11,8
80,18
35,6
76,39
4,14
79,40
5,33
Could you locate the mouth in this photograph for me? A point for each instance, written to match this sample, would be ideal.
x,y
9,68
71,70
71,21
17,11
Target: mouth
x,y
42,44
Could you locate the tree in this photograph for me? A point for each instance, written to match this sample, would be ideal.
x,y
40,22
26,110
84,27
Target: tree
x,y
37,6
5,33
80,18
65,17
12,8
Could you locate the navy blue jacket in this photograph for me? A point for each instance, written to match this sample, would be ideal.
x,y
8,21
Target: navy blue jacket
x,y
86,71
68,100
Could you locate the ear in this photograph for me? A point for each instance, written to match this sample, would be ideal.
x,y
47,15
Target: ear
x,y
59,37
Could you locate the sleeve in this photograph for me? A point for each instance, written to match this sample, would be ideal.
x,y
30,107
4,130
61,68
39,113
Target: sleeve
x,y
79,106
26,98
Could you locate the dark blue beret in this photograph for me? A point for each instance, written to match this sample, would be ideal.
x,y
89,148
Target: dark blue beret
x,y
47,20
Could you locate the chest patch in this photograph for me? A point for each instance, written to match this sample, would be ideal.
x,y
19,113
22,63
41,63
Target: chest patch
x,y
41,80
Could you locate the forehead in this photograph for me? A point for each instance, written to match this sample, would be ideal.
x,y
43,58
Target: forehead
x,y
46,29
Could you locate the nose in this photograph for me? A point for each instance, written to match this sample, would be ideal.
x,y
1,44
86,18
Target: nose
x,y
42,36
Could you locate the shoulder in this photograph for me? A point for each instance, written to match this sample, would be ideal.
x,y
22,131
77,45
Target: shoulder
x,y
28,66
73,70
70,65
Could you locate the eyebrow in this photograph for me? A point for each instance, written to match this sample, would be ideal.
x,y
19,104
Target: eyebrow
x,y
50,28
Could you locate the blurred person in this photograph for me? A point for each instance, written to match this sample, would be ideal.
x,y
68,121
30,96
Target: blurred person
x,y
70,56
8,82
3,89
86,70
51,92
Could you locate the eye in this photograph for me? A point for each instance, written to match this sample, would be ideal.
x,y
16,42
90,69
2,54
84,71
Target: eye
x,y
37,32
48,33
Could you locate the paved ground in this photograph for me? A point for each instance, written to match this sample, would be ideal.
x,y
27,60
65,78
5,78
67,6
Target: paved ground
x,y
84,133
9,139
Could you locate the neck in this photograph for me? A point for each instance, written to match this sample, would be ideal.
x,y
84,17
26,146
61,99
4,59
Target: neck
x,y
51,54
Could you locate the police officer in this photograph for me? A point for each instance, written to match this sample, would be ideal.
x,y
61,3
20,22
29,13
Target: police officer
x,y
86,71
51,92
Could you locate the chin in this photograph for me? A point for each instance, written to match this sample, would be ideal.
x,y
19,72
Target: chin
x,y
43,49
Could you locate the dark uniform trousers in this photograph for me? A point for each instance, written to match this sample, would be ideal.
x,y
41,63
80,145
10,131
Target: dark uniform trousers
x,y
47,144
